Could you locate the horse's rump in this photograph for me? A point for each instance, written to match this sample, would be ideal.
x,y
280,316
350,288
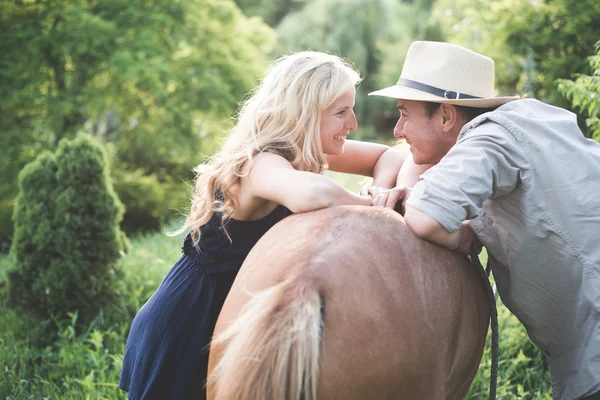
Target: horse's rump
x,y
392,316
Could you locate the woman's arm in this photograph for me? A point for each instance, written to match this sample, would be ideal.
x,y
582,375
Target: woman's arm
x,y
369,159
429,229
273,178
410,173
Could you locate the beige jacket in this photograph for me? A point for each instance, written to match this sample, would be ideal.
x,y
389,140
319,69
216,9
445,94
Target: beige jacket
x,y
533,181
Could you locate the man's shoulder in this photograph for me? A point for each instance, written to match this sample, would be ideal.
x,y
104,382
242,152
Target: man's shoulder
x,y
488,124
528,105
518,116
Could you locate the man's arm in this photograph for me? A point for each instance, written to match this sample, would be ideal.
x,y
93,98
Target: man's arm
x,y
429,229
463,240
487,163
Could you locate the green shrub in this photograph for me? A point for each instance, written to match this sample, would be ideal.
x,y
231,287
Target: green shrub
x,y
67,238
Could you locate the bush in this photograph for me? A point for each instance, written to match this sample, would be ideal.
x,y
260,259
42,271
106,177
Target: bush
x,y
67,238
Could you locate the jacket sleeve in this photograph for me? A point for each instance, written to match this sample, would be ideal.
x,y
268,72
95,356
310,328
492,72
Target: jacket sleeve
x,y
486,162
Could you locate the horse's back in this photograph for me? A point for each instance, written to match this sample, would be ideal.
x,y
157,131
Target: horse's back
x,y
402,318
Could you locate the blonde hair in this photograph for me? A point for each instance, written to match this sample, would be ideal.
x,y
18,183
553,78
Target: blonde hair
x,y
281,116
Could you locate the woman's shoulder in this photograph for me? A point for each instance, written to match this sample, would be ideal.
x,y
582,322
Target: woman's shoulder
x,y
229,238
268,159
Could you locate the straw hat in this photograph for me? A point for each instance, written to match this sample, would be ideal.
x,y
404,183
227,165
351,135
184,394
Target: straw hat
x,y
445,73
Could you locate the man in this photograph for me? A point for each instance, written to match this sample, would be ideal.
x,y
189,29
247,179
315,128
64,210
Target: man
x,y
528,180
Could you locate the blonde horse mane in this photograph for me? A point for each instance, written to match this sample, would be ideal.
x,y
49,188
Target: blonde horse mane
x,y
271,350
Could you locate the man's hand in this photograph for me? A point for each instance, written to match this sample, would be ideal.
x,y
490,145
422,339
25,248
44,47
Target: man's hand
x,y
468,243
394,198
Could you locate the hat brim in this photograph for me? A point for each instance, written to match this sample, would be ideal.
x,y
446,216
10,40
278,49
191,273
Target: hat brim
x,y
407,93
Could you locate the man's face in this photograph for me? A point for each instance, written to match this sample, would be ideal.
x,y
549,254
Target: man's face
x,y
424,135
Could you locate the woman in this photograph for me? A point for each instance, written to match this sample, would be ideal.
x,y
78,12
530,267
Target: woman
x,y
288,131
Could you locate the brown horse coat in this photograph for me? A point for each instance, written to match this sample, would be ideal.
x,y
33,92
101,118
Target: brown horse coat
x,y
346,303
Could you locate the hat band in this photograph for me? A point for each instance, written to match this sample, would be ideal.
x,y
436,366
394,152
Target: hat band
x,y
447,94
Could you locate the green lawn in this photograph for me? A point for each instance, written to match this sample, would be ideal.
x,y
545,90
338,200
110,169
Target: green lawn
x,y
85,363
37,363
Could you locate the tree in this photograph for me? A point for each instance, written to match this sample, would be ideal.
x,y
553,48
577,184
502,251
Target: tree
x,y
584,94
352,29
151,78
271,11
533,43
412,22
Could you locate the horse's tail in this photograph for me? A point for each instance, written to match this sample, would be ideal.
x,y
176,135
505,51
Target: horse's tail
x,y
271,350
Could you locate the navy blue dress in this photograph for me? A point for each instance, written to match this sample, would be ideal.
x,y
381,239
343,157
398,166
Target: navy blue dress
x,y
166,355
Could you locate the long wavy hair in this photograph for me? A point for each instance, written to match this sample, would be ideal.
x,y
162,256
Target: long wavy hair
x,y
281,116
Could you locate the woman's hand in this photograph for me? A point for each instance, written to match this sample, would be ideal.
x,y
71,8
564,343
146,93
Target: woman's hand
x,y
394,198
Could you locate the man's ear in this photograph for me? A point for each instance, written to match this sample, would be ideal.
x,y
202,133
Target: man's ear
x,y
449,115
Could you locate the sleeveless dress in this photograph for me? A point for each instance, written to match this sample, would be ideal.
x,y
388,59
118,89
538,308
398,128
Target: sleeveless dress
x,y
166,355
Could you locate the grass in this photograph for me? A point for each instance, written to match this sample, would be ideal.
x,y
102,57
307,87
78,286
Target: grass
x,y
351,182
74,363
39,363
521,373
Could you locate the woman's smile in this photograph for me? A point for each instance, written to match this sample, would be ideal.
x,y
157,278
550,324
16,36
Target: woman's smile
x,y
340,138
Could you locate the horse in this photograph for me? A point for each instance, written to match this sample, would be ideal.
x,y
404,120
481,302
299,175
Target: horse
x,y
347,303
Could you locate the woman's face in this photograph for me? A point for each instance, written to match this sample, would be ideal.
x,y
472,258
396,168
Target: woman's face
x,y
337,122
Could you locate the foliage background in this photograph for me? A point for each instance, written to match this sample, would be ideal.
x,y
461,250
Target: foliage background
x,y
151,80
157,83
